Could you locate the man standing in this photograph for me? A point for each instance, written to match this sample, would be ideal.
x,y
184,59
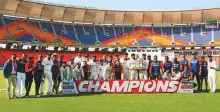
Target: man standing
x,y
55,73
107,71
155,69
167,73
38,74
48,63
64,72
118,71
86,70
132,67
176,70
94,69
101,69
184,62
10,71
195,69
144,66
204,72
125,61
21,76
105,61
148,69
79,58
212,74
29,75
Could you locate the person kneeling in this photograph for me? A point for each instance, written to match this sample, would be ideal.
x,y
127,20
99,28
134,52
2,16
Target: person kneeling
x,y
186,75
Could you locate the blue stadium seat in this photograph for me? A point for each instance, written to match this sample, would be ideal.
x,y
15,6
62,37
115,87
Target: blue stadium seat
x,y
102,37
202,39
8,20
60,31
128,29
217,34
47,26
25,38
86,39
177,34
156,30
70,32
144,42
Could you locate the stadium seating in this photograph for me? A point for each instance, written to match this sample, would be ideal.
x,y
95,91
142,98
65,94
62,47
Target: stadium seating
x,y
66,33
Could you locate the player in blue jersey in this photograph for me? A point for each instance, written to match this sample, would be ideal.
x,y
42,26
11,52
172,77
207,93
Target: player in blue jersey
x,y
204,72
167,68
176,70
184,62
155,69
195,70
186,75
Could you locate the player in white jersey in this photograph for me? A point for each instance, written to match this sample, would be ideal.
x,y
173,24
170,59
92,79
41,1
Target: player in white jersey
x,y
47,63
71,65
144,63
78,72
65,72
101,69
94,68
79,58
212,74
88,59
107,71
125,61
132,68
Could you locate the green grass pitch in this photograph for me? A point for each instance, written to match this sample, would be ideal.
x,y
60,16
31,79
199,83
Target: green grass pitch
x,y
202,102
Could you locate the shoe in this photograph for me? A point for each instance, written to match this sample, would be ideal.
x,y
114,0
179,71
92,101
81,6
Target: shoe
x,y
38,95
14,97
9,98
41,94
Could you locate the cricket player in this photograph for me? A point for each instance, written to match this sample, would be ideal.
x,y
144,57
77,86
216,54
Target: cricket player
x,y
88,59
107,71
38,74
212,74
101,69
86,70
78,72
21,76
79,58
117,58
125,62
186,75
176,74
155,69
132,68
94,68
71,65
105,61
204,72
117,71
195,70
184,62
47,63
167,73
30,66
148,69
64,72
55,73
144,65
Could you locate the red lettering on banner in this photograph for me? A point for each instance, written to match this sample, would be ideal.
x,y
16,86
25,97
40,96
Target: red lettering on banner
x,y
81,87
93,85
117,88
150,86
105,87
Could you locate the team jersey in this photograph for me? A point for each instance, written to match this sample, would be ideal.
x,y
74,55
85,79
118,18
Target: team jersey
x,y
156,68
194,63
94,67
118,70
186,74
39,67
204,68
144,64
21,65
107,70
176,66
55,66
101,70
168,66
125,64
78,71
184,63
132,64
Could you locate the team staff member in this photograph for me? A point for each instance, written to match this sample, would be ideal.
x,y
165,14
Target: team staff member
x,y
21,76
38,74
184,62
186,75
167,73
148,69
144,65
55,73
9,72
48,63
86,70
30,66
156,68
195,70
117,71
125,61
212,74
204,72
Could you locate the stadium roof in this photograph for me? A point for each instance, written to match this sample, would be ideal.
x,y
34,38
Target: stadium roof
x,y
71,14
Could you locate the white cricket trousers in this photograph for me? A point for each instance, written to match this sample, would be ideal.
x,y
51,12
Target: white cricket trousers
x,y
48,76
126,75
212,81
133,75
20,83
143,74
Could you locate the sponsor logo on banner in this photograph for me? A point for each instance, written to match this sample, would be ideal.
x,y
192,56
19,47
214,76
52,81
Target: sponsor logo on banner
x,y
123,86
69,87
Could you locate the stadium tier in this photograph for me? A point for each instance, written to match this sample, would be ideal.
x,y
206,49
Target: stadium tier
x,y
12,28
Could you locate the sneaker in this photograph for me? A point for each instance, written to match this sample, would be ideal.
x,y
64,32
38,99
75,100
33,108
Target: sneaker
x,y
37,95
41,94
14,97
9,98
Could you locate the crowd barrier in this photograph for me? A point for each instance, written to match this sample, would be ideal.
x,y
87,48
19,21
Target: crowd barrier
x,y
125,86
